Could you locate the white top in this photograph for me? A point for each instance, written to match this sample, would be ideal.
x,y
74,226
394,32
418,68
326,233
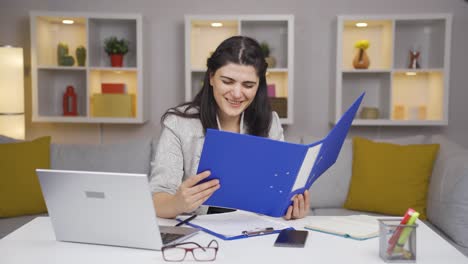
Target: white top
x,y
179,150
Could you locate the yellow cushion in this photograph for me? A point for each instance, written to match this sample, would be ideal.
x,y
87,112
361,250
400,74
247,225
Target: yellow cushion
x,y
20,193
389,178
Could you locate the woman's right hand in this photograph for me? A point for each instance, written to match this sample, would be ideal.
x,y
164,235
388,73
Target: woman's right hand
x,y
190,196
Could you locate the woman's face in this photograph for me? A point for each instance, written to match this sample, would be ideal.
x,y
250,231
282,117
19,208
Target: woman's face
x,y
234,88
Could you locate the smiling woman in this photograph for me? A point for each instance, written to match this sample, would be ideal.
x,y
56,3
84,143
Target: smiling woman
x,y
234,89
237,60
233,98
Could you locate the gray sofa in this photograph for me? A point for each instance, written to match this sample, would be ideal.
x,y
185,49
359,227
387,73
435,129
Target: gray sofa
x,y
447,204
133,156
447,199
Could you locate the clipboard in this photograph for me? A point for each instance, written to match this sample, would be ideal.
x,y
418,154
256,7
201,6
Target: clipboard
x,y
262,175
236,225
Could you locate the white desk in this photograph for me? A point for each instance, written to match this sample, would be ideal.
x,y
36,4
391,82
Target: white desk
x,y
35,243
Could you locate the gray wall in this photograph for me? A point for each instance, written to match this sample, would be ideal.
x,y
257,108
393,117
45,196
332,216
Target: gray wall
x,y
315,37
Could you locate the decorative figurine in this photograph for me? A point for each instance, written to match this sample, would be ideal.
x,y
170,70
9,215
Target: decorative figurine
x,y
361,60
70,102
414,59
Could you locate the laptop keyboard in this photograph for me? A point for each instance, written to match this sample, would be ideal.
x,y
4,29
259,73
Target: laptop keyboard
x,y
169,237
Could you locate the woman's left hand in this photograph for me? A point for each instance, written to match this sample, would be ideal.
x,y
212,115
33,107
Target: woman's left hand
x,y
299,208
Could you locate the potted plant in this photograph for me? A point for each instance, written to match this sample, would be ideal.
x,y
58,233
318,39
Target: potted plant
x,y
270,60
116,49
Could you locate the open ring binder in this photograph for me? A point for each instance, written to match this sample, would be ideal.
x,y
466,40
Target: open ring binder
x,y
262,175
258,232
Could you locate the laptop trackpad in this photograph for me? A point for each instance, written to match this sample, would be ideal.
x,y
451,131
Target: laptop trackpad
x,y
174,234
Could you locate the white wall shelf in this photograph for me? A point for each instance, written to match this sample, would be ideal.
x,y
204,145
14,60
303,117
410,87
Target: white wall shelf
x,y
49,80
404,96
65,68
201,39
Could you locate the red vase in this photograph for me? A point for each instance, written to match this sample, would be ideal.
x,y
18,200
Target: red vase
x,y
116,60
70,107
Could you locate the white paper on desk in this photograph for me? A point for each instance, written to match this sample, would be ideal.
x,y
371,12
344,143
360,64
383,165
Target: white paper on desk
x,y
234,223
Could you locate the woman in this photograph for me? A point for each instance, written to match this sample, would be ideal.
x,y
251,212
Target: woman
x,y
233,98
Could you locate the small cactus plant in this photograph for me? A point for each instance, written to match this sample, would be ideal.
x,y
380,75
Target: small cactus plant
x,y
67,61
63,59
62,50
81,55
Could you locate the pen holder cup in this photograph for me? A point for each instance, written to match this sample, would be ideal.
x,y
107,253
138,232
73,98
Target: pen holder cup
x,y
397,242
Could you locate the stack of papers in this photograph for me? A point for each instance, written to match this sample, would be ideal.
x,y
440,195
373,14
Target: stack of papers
x,y
358,227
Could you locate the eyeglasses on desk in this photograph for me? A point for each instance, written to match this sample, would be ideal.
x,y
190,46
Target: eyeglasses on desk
x,y
178,252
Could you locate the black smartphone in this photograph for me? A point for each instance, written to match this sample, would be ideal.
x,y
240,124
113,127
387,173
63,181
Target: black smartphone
x,y
291,238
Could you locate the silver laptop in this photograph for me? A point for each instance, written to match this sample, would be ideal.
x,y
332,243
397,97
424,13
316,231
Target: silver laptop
x,y
105,208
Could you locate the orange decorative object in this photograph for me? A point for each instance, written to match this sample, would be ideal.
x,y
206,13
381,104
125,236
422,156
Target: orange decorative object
x,y
70,102
422,112
398,112
361,60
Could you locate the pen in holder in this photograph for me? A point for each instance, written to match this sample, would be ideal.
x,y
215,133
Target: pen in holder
x,y
399,249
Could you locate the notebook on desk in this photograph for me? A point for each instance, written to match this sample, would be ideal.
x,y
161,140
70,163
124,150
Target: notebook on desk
x,y
105,208
358,227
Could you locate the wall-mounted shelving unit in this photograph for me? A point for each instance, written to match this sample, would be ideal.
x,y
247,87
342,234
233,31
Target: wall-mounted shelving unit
x,y
49,80
404,96
201,39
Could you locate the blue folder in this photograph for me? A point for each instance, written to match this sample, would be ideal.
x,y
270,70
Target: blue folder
x,y
261,175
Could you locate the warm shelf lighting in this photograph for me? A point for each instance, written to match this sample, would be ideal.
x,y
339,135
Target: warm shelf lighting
x,y
410,73
68,21
216,24
12,92
361,24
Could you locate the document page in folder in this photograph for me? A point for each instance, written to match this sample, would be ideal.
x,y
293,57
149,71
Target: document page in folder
x,y
306,167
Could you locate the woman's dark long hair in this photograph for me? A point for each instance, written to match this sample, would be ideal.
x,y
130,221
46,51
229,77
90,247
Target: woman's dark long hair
x,y
239,50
